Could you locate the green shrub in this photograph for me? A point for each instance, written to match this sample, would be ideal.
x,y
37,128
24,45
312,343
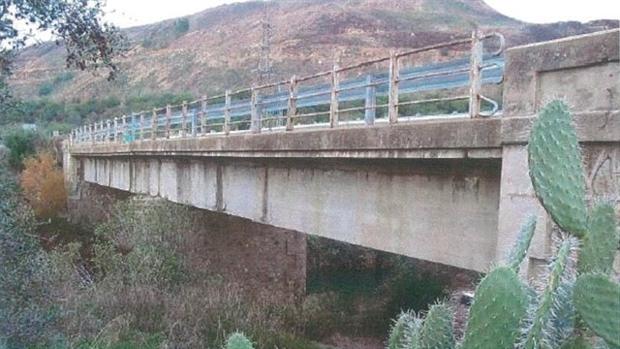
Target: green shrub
x,y
21,144
27,312
181,26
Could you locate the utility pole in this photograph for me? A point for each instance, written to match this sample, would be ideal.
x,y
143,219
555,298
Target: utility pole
x,y
265,68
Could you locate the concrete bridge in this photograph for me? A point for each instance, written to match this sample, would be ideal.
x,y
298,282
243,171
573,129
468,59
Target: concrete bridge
x,y
451,189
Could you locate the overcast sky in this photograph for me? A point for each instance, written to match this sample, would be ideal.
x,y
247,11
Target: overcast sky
x,y
127,13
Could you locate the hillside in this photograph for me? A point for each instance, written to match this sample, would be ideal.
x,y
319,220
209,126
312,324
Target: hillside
x,y
219,47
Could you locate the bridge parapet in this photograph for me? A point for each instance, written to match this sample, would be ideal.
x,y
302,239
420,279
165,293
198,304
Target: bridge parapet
x,y
306,102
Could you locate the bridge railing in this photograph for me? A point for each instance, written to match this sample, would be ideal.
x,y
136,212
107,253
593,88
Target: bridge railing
x,y
302,102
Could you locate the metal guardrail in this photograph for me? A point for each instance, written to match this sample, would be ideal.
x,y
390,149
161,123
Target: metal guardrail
x,y
286,105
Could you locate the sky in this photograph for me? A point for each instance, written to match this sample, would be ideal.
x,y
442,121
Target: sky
x,y
127,13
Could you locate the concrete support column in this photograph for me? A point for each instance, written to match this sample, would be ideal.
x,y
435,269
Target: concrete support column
x,y
516,204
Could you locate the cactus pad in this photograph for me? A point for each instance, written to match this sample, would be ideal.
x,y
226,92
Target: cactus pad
x,y
238,341
556,170
437,332
541,332
404,330
599,246
597,300
518,252
499,305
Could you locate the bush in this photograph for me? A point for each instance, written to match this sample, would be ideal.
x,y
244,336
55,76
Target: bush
x,y
26,303
181,26
46,89
21,144
44,185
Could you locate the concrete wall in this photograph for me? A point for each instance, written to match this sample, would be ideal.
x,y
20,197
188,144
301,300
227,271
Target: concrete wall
x,y
443,211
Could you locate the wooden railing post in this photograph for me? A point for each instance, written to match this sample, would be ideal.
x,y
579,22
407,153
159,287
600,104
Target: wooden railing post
x,y
292,104
168,117
203,115
370,105
393,89
333,107
474,74
227,101
154,124
255,114
184,119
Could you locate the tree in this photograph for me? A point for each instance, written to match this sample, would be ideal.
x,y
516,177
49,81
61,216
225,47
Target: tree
x,y
90,42
43,185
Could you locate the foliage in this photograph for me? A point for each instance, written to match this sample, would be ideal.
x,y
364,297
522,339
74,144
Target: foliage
x,y
43,185
21,144
56,114
78,25
139,284
566,311
238,340
181,26
26,311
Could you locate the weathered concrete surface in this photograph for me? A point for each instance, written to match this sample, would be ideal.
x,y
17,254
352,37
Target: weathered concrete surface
x,y
451,191
585,72
452,138
583,69
439,210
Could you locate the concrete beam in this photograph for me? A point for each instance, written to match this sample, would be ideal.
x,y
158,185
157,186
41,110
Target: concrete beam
x,y
447,138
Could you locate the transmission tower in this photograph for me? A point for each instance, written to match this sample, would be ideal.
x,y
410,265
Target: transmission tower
x,y
265,68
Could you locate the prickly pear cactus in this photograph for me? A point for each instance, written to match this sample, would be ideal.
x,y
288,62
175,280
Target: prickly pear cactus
x,y
541,333
522,244
597,300
404,330
238,341
437,331
556,170
599,246
499,305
